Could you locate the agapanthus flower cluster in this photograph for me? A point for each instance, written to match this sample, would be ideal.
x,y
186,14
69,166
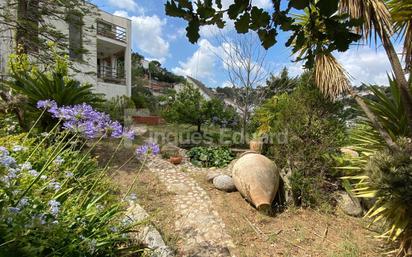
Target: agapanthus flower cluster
x,y
85,120
147,149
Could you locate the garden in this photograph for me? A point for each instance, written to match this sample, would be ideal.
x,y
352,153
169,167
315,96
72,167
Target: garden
x,y
292,166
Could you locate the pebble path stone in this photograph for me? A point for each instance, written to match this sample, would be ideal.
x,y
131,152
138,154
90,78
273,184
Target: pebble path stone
x,y
198,223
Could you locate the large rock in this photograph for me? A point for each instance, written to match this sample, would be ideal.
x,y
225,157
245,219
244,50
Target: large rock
x,y
224,183
257,179
349,205
211,175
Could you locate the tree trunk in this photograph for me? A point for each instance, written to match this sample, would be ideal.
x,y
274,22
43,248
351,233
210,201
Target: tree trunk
x,y
244,121
400,77
199,127
374,120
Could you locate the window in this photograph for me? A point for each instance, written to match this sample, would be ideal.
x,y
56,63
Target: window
x,y
75,21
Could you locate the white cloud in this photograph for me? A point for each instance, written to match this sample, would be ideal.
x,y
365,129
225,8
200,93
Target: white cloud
x,y
227,83
127,5
148,35
265,4
201,64
366,65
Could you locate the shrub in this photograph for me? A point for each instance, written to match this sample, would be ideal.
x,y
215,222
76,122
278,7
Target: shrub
x,y
210,156
313,130
116,107
55,200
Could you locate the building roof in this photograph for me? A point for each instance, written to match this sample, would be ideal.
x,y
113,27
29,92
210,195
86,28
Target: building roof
x,y
202,87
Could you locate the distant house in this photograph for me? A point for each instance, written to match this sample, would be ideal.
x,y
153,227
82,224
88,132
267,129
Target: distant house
x,y
204,91
158,88
106,41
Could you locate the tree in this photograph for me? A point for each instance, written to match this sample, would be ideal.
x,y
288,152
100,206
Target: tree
x,y
244,62
330,25
189,107
280,84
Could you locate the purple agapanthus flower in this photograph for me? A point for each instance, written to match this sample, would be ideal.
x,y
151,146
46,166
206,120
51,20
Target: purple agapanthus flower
x,y
147,149
114,129
84,120
46,104
129,134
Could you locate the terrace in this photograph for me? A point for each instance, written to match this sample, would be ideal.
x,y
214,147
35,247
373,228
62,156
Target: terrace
x,y
112,31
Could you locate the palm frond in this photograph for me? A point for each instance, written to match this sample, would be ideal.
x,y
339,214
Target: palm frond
x,y
401,11
330,76
374,13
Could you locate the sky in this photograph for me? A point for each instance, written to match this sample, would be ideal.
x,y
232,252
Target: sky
x,y
159,37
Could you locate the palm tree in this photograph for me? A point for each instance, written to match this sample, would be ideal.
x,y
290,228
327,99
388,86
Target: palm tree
x,y
331,78
381,19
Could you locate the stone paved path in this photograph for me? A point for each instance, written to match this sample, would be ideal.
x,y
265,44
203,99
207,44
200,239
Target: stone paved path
x,y
198,224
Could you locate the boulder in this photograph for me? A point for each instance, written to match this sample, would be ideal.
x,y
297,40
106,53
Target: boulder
x,y
224,183
349,205
257,178
211,175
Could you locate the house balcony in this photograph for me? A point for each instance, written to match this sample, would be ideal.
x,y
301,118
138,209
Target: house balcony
x,y
111,31
111,75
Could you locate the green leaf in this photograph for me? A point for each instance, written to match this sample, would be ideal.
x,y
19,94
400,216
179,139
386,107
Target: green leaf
x,y
193,30
185,4
236,8
299,4
171,9
205,11
242,24
219,4
327,7
267,37
259,18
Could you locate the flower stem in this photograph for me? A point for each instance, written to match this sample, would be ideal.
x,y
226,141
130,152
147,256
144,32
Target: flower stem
x,y
34,125
135,178
41,142
103,171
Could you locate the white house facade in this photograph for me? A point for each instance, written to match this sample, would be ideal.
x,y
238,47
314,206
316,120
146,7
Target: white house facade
x,y
105,58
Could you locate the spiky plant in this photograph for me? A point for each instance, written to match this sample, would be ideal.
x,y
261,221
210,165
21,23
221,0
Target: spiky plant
x,y
384,174
387,178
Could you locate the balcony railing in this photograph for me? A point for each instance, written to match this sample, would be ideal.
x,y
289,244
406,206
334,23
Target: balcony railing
x,y
111,31
110,74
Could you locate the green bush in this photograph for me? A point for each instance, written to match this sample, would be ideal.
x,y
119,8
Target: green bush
x,y
210,156
116,107
313,129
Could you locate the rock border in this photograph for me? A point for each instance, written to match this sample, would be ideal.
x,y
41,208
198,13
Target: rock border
x,y
148,235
